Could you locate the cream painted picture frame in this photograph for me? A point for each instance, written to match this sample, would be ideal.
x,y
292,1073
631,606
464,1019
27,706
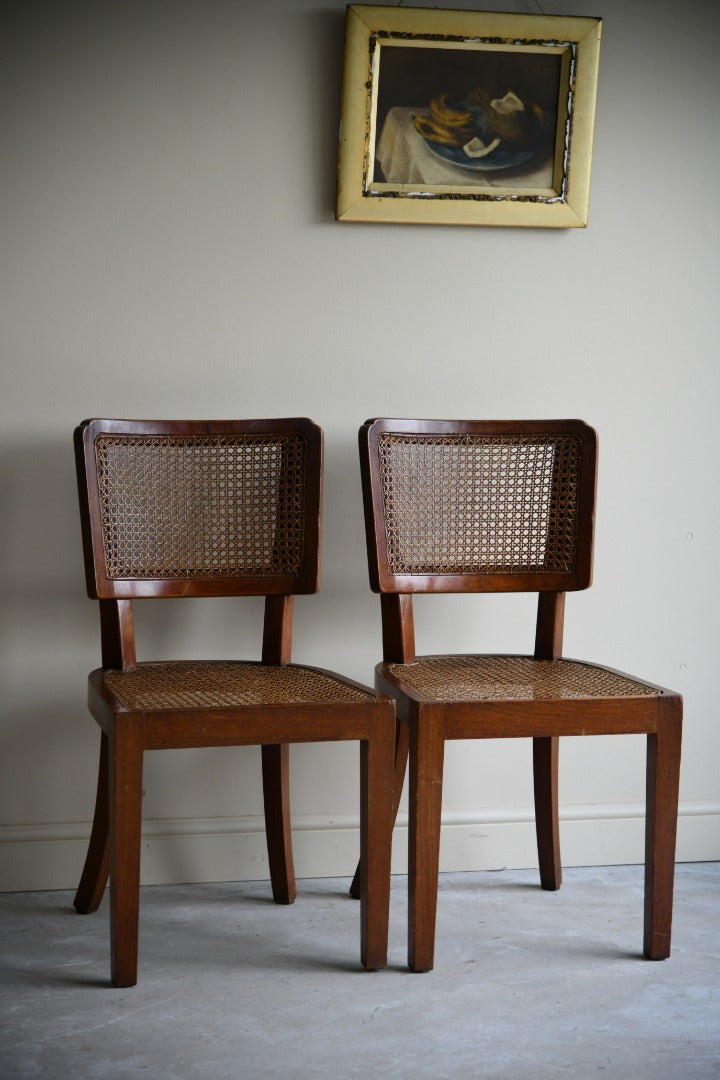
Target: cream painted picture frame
x,y
467,118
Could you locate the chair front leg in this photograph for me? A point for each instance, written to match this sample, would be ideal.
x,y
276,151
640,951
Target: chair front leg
x,y
376,828
663,782
427,751
402,742
97,863
276,797
547,827
125,782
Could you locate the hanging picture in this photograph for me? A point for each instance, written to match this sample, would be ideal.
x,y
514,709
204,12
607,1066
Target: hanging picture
x,y
468,118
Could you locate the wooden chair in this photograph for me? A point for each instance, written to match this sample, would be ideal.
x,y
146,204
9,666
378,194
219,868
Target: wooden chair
x,y
485,507
215,508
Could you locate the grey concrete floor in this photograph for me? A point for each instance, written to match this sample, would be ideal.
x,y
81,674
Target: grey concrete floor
x,y
526,984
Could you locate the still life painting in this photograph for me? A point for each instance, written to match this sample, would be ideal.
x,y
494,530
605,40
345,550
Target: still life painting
x,y
467,117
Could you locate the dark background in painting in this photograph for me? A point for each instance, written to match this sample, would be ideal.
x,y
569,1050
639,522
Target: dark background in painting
x,y
411,76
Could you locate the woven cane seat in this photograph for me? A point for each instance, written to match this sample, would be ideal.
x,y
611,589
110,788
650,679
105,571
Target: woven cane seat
x,y
220,684
513,678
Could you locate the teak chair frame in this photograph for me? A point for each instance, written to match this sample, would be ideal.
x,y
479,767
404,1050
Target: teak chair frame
x,y
345,710
425,719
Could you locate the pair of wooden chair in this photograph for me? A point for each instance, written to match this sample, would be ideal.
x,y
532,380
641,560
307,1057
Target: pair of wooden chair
x,y
233,508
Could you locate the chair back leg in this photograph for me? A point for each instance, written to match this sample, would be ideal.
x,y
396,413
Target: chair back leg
x,y
97,861
276,797
547,828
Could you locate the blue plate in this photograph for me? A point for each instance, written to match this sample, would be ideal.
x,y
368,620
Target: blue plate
x,y
494,162
500,158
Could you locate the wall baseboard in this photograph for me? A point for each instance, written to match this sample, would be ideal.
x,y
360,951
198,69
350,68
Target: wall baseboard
x,y
39,857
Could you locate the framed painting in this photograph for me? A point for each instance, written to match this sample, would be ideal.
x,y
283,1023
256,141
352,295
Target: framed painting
x,y
467,118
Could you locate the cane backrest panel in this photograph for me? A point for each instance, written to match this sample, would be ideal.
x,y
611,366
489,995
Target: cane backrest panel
x,y
201,510
490,507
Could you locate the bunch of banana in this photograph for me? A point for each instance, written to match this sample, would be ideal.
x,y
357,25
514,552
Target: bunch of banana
x,y
446,125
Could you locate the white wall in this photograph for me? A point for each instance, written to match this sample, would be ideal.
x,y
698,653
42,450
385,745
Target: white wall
x,y
168,248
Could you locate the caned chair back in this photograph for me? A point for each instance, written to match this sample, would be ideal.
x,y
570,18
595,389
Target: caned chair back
x,y
478,506
200,508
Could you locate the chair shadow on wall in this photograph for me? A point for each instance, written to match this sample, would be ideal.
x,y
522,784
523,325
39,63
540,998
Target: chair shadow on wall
x,y
41,624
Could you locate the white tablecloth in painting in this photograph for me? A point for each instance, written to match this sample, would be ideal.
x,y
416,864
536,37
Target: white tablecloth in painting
x,y
405,159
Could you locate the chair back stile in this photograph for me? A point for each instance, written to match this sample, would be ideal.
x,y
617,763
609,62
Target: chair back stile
x,y
398,626
277,630
117,634
550,626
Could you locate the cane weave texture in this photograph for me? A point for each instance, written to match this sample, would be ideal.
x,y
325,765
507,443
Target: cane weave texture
x,y
513,678
479,504
221,684
202,506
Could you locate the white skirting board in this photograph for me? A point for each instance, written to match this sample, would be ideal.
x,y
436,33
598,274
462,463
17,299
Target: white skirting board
x,y
37,857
